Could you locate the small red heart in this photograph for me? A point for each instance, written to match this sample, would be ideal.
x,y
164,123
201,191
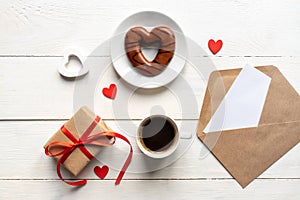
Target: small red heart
x,y
215,47
101,172
110,92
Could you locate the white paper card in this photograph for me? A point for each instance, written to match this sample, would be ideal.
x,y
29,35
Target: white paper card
x,y
243,104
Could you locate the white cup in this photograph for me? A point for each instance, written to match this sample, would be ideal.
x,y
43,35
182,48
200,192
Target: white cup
x,y
158,136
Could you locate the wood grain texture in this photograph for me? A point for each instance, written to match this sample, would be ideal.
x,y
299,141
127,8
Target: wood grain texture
x,y
28,84
35,100
145,189
259,28
25,158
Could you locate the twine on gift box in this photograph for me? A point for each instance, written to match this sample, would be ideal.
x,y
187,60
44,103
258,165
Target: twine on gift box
x,y
85,139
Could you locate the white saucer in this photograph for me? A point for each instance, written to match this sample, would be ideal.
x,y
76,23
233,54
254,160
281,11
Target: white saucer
x,y
122,65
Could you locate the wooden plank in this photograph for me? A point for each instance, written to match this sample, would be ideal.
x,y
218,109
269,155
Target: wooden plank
x,y
264,28
23,156
33,38
57,93
184,189
31,88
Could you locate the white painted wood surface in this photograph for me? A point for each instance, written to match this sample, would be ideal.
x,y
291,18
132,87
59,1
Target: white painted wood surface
x,y
249,28
35,100
148,189
21,89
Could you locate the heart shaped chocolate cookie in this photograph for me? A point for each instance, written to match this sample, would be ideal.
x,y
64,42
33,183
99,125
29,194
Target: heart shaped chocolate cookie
x,y
161,37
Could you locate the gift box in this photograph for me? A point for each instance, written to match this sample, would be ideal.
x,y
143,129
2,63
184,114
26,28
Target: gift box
x,y
71,143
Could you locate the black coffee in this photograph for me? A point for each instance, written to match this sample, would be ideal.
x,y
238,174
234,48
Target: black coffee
x,y
157,133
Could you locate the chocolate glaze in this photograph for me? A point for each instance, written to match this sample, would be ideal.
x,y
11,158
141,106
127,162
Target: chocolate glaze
x,y
138,37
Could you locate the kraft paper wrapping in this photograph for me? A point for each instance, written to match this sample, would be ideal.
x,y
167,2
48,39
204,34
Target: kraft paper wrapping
x,y
247,153
77,126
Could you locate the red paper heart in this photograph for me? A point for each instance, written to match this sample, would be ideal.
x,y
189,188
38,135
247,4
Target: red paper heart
x,y
215,47
101,172
110,92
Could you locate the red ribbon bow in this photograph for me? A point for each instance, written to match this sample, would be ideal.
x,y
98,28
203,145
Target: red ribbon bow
x,y
85,139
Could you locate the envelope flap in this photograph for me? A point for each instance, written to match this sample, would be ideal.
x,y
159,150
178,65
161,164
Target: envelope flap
x,y
282,102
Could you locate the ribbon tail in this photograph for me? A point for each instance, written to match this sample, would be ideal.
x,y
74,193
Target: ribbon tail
x,y
128,160
121,174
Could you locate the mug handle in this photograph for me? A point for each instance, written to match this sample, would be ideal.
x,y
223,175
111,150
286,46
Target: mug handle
x,y
185,135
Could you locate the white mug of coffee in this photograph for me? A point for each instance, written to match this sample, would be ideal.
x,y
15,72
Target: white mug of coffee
x,y
157,136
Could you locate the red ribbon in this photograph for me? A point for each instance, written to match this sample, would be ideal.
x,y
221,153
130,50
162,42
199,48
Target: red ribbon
x,y
85,139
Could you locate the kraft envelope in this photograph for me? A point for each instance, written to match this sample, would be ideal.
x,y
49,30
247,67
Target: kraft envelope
x,y
248,152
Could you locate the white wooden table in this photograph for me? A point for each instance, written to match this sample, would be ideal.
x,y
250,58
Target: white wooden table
x,y
35,100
